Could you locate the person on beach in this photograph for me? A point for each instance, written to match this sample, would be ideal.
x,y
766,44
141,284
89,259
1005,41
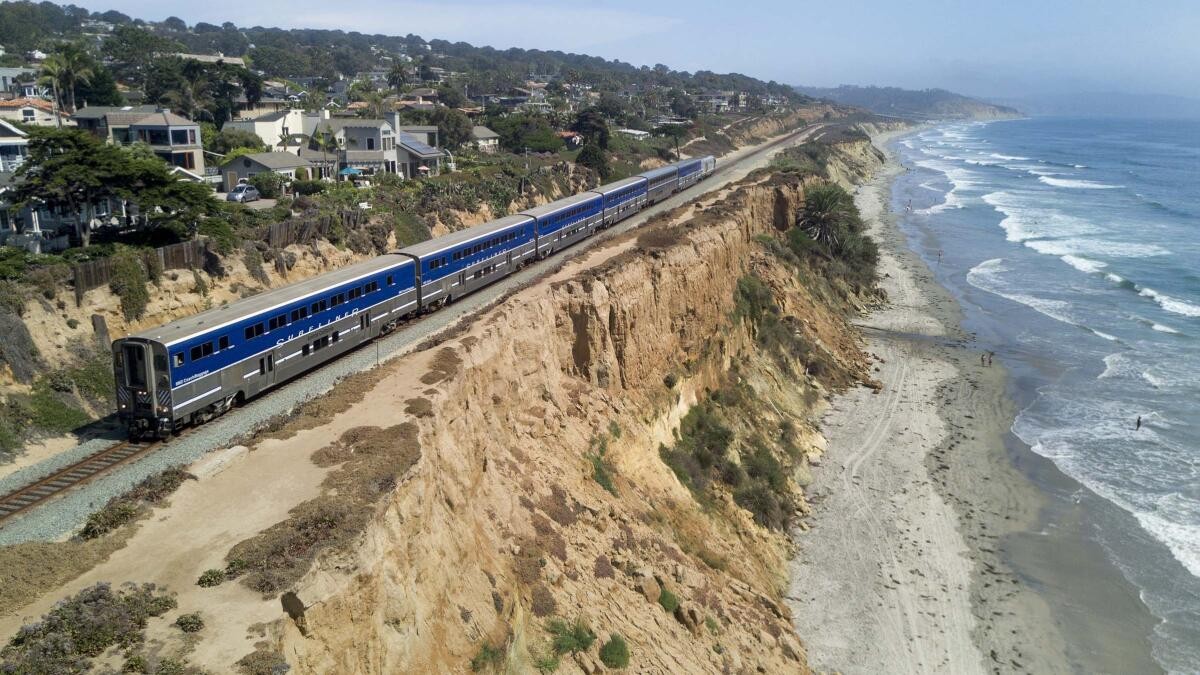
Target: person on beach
x,y
1138,425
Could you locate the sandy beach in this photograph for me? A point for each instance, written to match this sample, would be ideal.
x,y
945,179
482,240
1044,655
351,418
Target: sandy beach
x,y
917,501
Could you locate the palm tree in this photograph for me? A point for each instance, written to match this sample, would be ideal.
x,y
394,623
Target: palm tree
x,y
193,98
325,141
827,215
398,76
62,71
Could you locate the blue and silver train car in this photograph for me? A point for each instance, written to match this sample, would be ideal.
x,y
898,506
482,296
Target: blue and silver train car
x,y
460,262
690,172
621,199
566,221
661,183
193,369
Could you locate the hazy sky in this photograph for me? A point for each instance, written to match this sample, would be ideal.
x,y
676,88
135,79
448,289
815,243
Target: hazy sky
x,y
977,47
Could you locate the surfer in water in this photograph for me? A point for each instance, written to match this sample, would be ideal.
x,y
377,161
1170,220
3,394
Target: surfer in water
x,y
1138,425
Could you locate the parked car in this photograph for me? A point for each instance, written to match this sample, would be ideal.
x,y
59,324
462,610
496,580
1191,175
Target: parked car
x,y
243,193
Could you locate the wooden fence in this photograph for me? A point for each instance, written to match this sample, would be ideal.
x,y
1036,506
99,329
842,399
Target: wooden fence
x,y
96,273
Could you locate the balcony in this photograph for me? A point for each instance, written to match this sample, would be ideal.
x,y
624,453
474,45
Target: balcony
x,y
8,164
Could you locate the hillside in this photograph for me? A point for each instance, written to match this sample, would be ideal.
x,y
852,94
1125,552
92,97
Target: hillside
x,y
926,104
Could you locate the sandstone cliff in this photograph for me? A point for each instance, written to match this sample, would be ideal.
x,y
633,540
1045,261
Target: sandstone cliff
x,y
503,523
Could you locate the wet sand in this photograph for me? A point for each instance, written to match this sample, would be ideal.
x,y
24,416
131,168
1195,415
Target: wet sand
x,y
929,548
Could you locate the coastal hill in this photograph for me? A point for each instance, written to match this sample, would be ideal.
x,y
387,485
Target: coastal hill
x,y
912,104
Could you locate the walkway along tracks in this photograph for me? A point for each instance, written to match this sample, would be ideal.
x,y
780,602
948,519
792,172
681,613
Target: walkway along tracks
x,y
96,466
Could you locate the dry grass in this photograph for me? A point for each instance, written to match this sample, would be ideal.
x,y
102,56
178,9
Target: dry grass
x,y
418,407
29,570
321,410
542,601
373,460
445,365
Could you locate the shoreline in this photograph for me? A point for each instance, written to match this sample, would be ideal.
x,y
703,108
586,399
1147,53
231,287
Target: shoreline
x,y
920,514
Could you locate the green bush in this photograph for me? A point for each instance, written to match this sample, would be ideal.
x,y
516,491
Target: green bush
x,y
220,232
668,601
568,638
488,658
136,664
269,184
308,187
210,578
615,653
51,413
190,623
83,627
602,472
129,283
110,517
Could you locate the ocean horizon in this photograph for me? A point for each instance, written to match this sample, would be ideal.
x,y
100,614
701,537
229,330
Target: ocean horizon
x,y
1073,246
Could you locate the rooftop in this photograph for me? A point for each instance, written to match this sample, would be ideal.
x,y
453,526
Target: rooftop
x,y
274,160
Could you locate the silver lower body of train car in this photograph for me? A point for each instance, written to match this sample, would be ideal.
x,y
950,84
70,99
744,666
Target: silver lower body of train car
x,y
213,394
562,238
436,293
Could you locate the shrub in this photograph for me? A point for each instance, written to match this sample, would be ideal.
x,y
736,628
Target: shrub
x,y
210,578
199,285
170,667
668,600
670,380
568,638
51,413
615,653
190,623
602,472
110,517
269,184
12,298
72,323
135,664
262,662
546,662
129,283
308,187
83,627
542,601
220,232
488,658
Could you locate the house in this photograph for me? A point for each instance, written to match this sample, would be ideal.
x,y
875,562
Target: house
x,y
282,163
426,133
210,58
173,138
364,146
635,134
275,98
486,140
17,81
284,130
14,147
30,227
34,111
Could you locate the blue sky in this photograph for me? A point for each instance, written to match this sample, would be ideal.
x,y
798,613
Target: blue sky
x,y
982,47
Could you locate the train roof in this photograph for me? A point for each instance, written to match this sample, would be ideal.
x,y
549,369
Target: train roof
x,y
274,298
559,205
618,184
660,171
453,239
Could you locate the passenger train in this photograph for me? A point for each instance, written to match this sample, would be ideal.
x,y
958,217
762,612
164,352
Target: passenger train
x,y
194,369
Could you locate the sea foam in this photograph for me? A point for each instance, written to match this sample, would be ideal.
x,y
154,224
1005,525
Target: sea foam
x,y
1077,184
1173,305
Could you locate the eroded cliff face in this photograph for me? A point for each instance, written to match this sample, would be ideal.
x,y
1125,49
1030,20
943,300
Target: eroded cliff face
x,y
504,524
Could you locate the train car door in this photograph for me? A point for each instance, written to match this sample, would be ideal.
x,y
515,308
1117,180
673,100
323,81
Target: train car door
x,y
266,370
364,323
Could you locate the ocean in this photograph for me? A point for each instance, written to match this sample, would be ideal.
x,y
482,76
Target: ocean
x,y
1074,247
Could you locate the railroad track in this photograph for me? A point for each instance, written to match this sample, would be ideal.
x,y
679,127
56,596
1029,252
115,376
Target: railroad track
x,y
58,482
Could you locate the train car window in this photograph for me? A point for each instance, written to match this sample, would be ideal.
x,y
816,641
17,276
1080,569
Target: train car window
x,y
319,306
304,350
196,353
178,359
389,280
223,342
160,362
336,300
207,348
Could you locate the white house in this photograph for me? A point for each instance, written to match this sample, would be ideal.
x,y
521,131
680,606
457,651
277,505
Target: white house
x,y
486,140
34,111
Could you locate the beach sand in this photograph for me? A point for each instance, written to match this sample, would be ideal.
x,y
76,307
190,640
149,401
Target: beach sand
x,y
919,507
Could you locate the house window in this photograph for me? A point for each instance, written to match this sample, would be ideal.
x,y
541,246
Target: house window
x,y
185,160
179,137
370,143
27,114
